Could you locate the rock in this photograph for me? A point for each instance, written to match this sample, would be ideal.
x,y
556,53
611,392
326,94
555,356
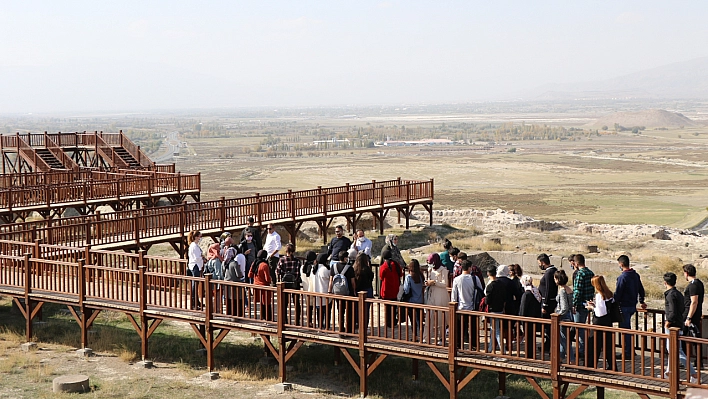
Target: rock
x,y
29,346
661,234
86,352
483,260
71,384
211,376
285,386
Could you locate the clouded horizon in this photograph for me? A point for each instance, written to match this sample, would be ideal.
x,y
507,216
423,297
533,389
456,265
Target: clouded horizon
x,y
111,56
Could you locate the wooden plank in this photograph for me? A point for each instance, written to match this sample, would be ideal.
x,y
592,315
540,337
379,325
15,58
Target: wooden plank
x,y
437,373
537,387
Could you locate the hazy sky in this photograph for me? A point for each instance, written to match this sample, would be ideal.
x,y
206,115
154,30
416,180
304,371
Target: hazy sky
x,y
99,55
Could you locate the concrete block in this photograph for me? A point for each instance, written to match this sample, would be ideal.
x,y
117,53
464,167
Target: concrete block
x,y
86,352
211,376
71,384
29,346
147,364
283,387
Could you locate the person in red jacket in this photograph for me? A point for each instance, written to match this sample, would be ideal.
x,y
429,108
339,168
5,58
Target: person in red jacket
x,y
261,276
390,273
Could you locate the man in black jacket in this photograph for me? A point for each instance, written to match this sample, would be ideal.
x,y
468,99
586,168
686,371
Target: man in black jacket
x,y
549,290
255,233
674,309
339,243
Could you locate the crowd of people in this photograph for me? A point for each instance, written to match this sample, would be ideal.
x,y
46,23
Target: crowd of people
x,y
345,269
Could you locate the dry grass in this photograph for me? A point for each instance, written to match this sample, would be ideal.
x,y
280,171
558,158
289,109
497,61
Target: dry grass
x,y
556,238
127,355
666,264
600,244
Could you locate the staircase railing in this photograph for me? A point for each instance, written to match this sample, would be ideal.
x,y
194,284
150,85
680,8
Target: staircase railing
x,y
103,149
59,154
30,155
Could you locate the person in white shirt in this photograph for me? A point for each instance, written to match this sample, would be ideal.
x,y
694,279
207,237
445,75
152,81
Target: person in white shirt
x,y
603,341
195,266
467,291
362,244
272,246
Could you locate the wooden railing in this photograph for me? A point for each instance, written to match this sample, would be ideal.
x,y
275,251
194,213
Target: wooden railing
x,y
28,153
59,154
219,215
113,187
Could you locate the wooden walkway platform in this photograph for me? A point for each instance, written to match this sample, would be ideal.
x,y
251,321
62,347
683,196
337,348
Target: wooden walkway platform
x,y
355,326
141,229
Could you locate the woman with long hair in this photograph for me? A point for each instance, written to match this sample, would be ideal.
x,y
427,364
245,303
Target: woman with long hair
x,y
413,292
564,309
364,276
320,284
195,266
602,341
437,296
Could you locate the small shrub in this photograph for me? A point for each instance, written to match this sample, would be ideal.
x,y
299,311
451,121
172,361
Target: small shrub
x,y
556,237
127,355
665,264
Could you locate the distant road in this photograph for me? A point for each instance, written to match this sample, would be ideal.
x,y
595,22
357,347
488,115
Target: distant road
x,y
172,145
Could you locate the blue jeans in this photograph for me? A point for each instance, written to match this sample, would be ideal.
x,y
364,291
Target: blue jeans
x,y
563,339
682,358
497,334
627,312
581,316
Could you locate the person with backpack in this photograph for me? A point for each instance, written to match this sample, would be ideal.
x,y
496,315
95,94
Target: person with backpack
x,y
306,275
467,291
413,293
342,282
320,284
288,272
390,274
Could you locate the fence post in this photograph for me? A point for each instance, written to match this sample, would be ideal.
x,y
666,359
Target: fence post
x,y
291,204
555,354
28,303
259,215
87,227
142,306
675,374
209,334
452,349
363,324
281,314
222,213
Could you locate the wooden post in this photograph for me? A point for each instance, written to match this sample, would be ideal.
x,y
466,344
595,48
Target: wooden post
x,y
555,355
182,238
363,321
282,371
675,372
291,205
208,333
259,215
222,213
87,227
502,383
452,349
82,307
142,305
28,301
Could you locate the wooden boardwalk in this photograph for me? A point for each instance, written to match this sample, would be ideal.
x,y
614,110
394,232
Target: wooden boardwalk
x,y
143,228
51,193
354,326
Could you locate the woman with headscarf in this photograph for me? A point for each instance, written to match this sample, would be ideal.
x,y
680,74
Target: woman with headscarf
x,y
436,294
530,307
391,248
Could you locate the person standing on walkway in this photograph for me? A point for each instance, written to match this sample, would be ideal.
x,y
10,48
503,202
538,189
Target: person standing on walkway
x,y
339,243
583,292
288,272
549,291
362,244
467,291
446,259
628,291
255,233
530,307
565,313
390,274
693,297
249,249
364,276
601,340
391,251
496,296
437,296
195,266
272,247
674,304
